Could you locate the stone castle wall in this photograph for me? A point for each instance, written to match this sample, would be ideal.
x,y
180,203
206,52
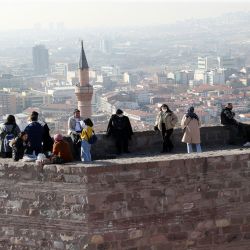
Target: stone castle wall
x,y
179,202
151,142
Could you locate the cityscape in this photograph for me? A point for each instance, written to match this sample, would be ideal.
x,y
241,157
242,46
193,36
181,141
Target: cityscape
x,y
124,125
203,63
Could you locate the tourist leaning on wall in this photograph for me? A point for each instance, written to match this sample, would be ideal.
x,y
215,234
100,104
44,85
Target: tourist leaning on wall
x,y
166,120
190,123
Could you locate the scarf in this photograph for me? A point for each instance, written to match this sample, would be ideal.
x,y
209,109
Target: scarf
x,y
191,114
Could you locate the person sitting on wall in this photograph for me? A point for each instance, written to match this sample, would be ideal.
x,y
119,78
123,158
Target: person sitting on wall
x,y
47,141
165,122
19,146
35,135
8,131
235,127
75,126
61,150
120,128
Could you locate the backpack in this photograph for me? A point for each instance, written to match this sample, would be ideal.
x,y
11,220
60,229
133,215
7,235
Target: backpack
x,y
8,137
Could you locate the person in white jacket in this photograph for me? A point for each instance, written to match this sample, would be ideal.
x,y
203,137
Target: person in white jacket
x,y
191,124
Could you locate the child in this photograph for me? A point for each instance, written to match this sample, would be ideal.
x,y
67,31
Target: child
x,y
61,150
19,146
86,134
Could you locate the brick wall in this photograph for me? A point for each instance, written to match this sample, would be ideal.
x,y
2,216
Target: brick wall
x,y
174,202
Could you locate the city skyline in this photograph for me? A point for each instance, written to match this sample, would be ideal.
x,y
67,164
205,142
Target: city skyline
x,y
85,14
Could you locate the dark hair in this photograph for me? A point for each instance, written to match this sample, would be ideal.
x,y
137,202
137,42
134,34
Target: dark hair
x,y
34,118
21,134
88,122
119,112
34,113
166,106
76,111
10,120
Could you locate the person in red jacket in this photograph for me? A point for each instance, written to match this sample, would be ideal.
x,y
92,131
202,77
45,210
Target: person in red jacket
x,y
61,150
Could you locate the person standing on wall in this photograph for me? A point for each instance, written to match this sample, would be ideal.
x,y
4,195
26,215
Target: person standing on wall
x,y
120,128
86,135
75,126
190,123
165,122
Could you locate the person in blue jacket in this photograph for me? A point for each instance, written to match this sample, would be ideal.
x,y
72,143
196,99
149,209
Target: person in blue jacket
x,y
35,135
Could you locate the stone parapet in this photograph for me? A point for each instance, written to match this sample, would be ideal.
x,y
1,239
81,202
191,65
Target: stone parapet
x,y
146,142
177,202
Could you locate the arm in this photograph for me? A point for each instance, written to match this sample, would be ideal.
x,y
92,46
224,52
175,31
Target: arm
x,y
174,119
230,115
157,122
84,133
2,131
55,149
186,121
110,127
70,128
17,130
130,130
199,123
183,122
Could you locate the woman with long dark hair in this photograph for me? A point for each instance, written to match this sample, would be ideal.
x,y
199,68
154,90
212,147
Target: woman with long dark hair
x,y
19,146
165,122
8,131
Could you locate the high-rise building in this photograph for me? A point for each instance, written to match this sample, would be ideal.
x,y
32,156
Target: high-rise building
x,y
40,60
84,91
60,69
228,63
105,46
208,63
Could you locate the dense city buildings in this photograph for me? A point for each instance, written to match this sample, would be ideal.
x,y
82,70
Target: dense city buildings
x,y
135,69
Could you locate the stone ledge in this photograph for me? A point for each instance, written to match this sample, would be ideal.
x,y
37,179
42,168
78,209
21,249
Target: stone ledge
x,y
77,170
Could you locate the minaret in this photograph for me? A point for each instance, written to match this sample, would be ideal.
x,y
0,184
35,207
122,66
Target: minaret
x,y
84,90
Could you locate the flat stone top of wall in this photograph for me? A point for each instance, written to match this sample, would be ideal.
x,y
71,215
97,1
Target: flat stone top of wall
x,y
7,166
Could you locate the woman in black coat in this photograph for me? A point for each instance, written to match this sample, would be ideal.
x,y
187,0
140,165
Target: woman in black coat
x,y
120,128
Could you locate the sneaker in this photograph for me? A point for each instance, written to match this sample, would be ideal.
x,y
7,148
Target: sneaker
x,y
247,144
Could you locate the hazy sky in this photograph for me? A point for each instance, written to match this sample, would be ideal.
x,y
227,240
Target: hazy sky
x,y
15,14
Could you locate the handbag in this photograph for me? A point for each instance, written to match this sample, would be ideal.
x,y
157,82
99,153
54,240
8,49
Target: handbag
x,y
93,138
184,129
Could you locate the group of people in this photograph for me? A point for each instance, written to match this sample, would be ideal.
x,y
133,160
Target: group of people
x,y
166,120
32,141
81,132
120,129
36,139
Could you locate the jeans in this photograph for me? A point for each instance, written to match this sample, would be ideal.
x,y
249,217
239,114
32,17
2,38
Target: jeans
x,y
85,151
190,149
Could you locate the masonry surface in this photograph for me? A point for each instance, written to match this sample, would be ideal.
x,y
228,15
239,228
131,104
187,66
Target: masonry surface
x,y
163,202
